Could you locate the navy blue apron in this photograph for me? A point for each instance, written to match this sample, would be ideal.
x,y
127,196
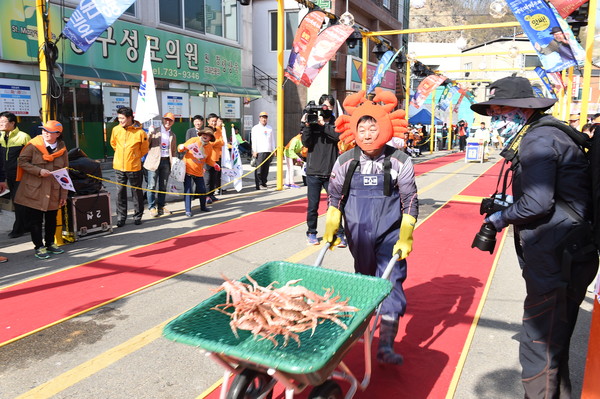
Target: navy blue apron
x,y
372,226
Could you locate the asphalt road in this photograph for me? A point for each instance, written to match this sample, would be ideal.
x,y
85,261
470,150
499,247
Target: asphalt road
x,y
117,351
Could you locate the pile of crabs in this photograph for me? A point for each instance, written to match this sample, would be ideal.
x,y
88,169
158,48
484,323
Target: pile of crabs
x,y
286,311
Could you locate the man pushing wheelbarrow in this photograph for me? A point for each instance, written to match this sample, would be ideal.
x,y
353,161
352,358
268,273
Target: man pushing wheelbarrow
x,y
374,187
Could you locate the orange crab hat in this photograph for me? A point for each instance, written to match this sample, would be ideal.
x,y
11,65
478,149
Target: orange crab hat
x,y
392,124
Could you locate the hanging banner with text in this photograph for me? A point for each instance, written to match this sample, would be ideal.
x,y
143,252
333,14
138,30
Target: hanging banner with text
x,y
327,44
566,7
91,18
549,33
305,38
427,85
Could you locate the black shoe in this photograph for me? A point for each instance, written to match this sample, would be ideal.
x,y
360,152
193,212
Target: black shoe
x,y
137,222
14,234
205,209
258,188
263,185
120,223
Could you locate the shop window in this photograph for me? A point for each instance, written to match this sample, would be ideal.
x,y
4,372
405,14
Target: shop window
x,y
291,26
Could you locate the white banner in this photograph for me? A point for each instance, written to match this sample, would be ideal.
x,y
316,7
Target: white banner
x,y
147,104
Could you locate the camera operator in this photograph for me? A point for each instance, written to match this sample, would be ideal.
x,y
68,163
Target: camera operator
x,y
550,214
321,139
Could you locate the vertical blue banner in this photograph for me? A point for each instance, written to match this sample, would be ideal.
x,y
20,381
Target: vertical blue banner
x,y
549,34
544,77
91,18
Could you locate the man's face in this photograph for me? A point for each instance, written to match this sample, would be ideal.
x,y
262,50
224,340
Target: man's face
x,y
212,122
125,121
483,126
5,125
560,37
167,123
367,133
198,123
263,120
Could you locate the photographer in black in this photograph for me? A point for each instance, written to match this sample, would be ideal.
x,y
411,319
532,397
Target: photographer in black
x,y
550,216
321,139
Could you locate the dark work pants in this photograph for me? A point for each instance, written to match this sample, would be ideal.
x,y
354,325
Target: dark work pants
x,y
261,173
200,188
314,186
133,179
35,219
19,226
548,324
462,143
212,179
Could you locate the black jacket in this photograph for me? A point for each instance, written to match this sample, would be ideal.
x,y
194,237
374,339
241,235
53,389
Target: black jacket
x,y
321,142
552,172
80,166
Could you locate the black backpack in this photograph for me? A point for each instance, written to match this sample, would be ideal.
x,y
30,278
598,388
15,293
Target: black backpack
x,y
591,148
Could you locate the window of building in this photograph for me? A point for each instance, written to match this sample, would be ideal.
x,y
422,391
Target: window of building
x,y
291,26
531,60
386,4
194,15
130,10
215,17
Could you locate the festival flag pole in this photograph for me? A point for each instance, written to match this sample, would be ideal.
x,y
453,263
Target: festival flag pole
x,y
146,107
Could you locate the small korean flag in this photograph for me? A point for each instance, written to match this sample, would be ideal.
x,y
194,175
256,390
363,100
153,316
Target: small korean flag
x,y
196,150
63,178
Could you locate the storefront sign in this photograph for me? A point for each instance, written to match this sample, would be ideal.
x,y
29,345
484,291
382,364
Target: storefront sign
x,y
120,48
177,103
230,107
113,99
19,97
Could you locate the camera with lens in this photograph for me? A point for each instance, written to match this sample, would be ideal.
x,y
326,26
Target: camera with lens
x,y
485,239
312,112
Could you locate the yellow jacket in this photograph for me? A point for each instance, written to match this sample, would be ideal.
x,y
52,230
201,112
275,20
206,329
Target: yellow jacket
x,y
130,145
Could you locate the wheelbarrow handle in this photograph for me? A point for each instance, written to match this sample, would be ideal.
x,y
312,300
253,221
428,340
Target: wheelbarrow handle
x,y
322,253
390,266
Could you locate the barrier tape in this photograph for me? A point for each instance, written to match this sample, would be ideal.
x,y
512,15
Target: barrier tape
x,y
175,193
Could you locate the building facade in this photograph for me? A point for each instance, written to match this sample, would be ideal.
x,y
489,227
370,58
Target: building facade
x,y
201,57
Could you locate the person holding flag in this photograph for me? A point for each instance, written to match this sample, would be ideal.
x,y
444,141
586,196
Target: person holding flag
x,y
39,192
198,152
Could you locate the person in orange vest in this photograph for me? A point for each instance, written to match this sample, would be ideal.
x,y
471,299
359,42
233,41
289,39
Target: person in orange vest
x,y
213,176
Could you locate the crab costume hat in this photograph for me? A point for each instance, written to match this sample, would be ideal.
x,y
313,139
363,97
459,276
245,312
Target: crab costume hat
x,y
392,124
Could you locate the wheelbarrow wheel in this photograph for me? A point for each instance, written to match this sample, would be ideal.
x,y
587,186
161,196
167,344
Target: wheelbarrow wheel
x,y
249,384
327,390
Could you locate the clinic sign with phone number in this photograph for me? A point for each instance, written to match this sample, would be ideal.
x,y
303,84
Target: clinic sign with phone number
x,y
121,48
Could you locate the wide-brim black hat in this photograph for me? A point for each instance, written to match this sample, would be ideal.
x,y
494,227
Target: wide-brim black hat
x,y
513,91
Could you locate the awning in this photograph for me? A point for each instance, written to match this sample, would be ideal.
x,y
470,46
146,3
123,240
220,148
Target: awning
x,y
237,91
98,74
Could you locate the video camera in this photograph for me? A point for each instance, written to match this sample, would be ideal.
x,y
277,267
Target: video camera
x,y
312,111
485,239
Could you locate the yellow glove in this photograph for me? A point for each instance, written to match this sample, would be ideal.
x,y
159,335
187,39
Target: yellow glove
x,y
332,224
403,246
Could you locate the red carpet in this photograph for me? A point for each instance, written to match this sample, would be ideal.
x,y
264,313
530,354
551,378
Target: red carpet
x,y
446,278
39,303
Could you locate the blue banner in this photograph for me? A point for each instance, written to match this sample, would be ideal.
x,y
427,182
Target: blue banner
x,y
549,34
544,77
91,18
384,64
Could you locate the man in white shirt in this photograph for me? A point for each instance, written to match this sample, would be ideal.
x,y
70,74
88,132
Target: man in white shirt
x,y
263,144
163,147
482,134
